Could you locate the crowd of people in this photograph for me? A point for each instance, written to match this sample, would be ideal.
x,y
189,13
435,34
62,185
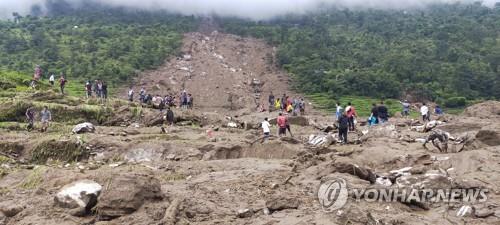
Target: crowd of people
x,y
37,77
295,106
184,100
345,116
98,88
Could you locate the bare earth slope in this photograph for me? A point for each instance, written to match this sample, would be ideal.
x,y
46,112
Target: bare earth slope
x,y
219,69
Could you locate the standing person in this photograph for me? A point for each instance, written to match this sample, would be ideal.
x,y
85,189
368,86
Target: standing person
x,y
131,94
277,104
283,102
287,122
338,111
281,121
30,117
188,101
38,73
191,103
52,79
424,111
266,130
142,95
184,99
170,117
104,91
343,127
374,114
406,108
302,107
62,83
351,116
46,117
438,111
99,88
88,89
383,113
271,101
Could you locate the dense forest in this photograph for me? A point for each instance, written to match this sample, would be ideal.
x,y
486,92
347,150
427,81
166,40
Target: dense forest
x,y
95,42
447,53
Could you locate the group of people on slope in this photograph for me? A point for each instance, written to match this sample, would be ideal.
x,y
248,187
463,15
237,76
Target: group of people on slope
x,y
37,77
295,106
184,100
283,123
99,88
45,118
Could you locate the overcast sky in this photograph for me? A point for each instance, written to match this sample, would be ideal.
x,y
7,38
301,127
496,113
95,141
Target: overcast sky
x,y
255,9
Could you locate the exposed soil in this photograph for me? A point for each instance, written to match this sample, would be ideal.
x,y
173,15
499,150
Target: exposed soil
x,y
203,172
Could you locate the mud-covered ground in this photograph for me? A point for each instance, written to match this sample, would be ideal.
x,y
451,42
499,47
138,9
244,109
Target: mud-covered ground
x,y
201,171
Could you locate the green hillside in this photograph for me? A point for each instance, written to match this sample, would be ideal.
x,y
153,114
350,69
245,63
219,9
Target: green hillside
x,y
446,53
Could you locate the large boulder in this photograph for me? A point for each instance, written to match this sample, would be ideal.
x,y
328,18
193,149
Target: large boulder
x,y
79,194
10,208
83,128
279,203
126,193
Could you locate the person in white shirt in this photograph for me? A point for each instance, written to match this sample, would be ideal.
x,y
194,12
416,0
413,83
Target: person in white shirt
x,y
266,129
424,111
52,79
338,111
131,94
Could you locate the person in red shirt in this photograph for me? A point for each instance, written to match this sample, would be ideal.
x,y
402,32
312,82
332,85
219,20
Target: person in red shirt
x,y
281,121
351,115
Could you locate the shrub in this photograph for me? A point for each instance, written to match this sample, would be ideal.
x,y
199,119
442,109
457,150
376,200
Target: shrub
x,y
455,102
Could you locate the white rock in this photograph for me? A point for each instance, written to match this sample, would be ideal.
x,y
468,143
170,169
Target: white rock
x,y
383,181
83,128
78,194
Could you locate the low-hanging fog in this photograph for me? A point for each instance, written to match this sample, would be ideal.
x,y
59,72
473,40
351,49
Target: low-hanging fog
x,y
253,9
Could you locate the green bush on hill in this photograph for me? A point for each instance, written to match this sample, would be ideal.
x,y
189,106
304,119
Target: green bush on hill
x,y
96,42
449,51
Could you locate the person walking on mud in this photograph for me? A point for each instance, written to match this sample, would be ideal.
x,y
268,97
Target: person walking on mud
x,y
30,117
266,129
46,117
343,127
169,118
281,121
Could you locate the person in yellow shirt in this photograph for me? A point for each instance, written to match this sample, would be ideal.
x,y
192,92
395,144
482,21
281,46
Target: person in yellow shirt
x,y
277,104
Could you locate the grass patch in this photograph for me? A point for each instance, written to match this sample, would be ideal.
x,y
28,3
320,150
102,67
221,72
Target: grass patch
x,y
364,105
34,179
64,151
172,177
